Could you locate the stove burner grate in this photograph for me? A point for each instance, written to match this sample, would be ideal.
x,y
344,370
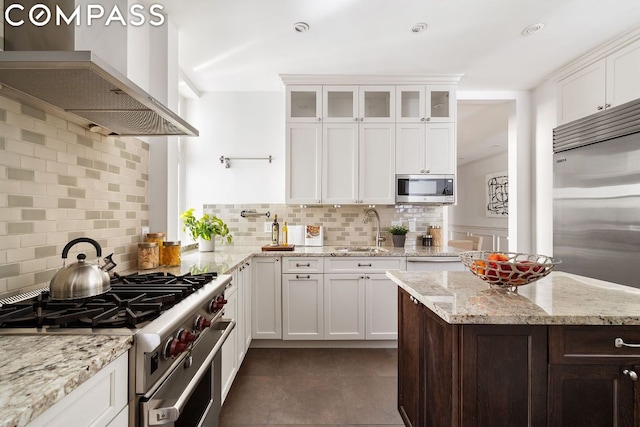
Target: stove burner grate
x,y
132,300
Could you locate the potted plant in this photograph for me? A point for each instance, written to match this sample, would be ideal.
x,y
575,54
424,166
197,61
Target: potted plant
x,y
205,230
399,235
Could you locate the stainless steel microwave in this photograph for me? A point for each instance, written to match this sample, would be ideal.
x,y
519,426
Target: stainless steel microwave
x,y
431,189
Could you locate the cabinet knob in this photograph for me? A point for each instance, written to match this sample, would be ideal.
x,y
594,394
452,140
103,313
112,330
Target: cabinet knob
x,y
607,105
428,119
631,374
423,119
319,119
427,171
600,107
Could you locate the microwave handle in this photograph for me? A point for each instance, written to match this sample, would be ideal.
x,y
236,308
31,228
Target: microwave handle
x,y
170,414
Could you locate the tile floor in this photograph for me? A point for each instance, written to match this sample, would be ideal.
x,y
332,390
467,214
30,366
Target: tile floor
x,y
289,387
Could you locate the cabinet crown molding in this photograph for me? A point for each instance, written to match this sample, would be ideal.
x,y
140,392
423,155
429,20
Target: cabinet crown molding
x,y
383,79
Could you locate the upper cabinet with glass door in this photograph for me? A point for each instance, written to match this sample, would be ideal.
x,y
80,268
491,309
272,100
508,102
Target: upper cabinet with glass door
x,y
377,104
430,103
304,104
366,104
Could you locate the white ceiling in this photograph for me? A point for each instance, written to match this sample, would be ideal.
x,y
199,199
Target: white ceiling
x,y
244,45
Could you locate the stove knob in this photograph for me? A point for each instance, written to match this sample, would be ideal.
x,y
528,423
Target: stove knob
x,y
174,348
185,336
201,323
217,304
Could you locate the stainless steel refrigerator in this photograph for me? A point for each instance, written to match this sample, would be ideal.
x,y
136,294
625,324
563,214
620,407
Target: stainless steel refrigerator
x,y
596,195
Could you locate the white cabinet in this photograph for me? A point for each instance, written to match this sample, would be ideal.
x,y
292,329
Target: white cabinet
x,y
360,302
358,163
245,281
340,104
344,307
99,401
304,104
302,306
303,163
229,360
266,298
425,103
582,93
381,307
425,148
607,83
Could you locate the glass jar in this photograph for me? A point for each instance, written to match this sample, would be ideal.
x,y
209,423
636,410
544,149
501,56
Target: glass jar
x,y
171,254
157,238
148,255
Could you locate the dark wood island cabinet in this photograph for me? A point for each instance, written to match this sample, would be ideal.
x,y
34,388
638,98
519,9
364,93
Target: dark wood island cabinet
x,y
464,362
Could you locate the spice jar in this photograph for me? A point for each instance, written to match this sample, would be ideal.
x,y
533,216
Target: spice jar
x,y
171,254
157,238
427,240
148,255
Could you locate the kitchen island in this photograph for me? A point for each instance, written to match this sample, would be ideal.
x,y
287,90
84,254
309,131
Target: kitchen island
x,y
553,354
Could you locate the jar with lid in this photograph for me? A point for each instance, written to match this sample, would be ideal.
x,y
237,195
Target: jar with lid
x,y
436,233
148,255
171,254
157,238
427,240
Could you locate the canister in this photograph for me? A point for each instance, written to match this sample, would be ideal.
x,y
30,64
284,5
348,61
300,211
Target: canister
x,y
436,233
148,255
171,253
157,238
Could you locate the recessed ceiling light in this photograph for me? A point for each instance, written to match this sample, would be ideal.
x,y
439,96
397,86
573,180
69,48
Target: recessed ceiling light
x,y
419,27
301,27
532,29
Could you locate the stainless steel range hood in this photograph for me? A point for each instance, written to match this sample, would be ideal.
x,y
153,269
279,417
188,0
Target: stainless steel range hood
x,y
87,89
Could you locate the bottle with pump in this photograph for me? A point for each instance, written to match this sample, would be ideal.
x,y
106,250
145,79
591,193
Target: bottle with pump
x,y
275,232
285,234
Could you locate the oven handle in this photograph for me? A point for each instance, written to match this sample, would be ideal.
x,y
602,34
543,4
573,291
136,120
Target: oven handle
x,y
170,414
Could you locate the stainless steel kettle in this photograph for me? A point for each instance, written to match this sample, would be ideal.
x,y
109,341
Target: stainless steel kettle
x,y
81,279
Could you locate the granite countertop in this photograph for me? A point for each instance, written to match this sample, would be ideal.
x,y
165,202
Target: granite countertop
x,y
37,371
459,297
51,366
226,258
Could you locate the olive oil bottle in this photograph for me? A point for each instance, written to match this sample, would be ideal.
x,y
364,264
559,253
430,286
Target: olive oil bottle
x,y
285,234
275,232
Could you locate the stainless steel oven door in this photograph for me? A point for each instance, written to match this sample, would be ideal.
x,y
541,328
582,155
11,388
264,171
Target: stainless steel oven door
x,y
190,395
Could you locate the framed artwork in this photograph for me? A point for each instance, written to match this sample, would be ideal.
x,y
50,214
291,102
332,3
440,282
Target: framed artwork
x,y
497,194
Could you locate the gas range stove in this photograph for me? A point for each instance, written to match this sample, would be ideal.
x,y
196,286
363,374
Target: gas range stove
x,y
132,302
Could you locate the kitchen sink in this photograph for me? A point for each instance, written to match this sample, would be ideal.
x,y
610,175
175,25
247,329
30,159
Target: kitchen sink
x,y
361,249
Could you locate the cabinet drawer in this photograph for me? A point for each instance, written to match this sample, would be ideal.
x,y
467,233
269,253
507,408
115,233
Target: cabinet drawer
x,y
302,265
360,264
583,344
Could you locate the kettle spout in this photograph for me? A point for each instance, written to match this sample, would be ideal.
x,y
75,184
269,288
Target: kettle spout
x,y
109,263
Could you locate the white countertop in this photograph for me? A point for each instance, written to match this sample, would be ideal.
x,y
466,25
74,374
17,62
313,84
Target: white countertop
x,y
459,297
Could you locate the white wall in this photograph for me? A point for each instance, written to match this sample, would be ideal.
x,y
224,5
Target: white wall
x,y
544,110
235,124
470,209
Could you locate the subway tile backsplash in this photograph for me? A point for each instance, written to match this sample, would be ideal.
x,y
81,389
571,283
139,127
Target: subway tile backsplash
x,y
58,181
343,225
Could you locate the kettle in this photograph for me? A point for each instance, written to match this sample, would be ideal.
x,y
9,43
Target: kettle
x,y
81,279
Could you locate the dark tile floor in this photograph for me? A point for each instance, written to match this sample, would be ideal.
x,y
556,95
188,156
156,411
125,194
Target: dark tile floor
x,y
289,387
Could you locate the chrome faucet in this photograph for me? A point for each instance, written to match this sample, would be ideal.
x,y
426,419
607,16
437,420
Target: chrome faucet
x,y
365,220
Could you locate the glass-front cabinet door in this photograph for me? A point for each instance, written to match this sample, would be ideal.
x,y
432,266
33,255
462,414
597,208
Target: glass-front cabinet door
x,y
410,104
377,104
304,104
440,103
340,104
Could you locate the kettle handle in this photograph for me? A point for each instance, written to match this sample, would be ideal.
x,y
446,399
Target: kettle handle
x,y
95,244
